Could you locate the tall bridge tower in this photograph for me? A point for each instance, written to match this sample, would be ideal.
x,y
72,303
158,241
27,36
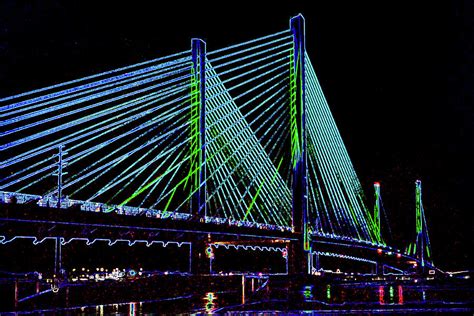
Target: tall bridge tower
x,y
301,254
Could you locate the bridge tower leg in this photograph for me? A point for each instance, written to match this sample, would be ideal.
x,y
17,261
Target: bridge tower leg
x,y
419,225
57,256
197,171
200,262
198,129
301,252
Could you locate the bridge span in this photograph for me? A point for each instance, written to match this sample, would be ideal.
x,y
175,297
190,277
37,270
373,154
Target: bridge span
x,y
232,147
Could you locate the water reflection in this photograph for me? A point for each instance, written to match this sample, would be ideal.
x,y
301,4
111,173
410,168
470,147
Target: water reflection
x,y
132,309
99,310
317,296
391,293
335,295
308,292
381,295
209,305
393,299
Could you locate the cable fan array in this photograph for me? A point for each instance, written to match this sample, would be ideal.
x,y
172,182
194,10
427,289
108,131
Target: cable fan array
x,y
336,200
127,139
124,134
247,128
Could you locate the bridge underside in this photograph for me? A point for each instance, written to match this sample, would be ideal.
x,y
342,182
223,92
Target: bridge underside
x,y
26,220
384,259
41,223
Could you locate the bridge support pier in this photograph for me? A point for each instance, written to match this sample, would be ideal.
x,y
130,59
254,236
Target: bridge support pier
x,y
298,258
379,269
200,262
316,263
57,256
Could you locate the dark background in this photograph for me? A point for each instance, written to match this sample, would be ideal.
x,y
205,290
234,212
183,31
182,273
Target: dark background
x,y
399,79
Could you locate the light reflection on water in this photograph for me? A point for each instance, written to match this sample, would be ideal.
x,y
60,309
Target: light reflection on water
x,y
132,311
387,295
99,310
209,302
312,297
308,292
400,295
383,295
392,298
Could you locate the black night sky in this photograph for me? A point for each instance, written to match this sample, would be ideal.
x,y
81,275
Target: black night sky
x,y
398,77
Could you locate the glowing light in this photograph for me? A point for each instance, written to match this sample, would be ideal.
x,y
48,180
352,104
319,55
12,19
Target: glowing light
x,y
209,252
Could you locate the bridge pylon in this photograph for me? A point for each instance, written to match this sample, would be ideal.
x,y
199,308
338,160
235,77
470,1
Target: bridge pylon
x,y
300,253
198,128
421,248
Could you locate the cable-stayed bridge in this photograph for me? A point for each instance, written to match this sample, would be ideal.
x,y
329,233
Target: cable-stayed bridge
x,y
237,141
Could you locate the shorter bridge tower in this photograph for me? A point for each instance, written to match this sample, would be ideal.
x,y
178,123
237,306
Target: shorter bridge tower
x,y
421,248
376,215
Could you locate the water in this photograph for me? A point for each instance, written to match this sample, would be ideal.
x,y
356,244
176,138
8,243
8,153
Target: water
x,y
261,294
